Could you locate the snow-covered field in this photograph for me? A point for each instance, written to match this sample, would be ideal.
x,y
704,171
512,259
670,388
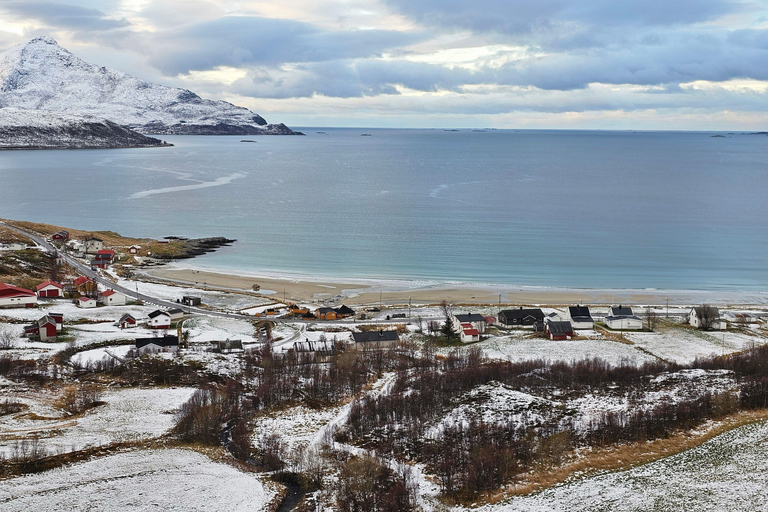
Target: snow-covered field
x,y
169,480
725,473
519,346
682,345
129,415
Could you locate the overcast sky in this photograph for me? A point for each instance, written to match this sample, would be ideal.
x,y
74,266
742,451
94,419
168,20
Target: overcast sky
x,y
625,64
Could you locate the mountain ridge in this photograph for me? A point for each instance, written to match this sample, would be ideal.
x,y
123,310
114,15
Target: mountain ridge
x,y
41,75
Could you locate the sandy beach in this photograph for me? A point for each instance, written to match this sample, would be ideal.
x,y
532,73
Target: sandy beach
x,y
359,292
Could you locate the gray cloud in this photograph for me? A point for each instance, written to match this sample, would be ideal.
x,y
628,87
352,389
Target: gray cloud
x,y
59,15
526,17
249,40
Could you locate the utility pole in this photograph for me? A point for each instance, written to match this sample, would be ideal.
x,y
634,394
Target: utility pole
x,y
667,308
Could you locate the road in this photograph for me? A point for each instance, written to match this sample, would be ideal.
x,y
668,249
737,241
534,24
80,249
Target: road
x,y
88,272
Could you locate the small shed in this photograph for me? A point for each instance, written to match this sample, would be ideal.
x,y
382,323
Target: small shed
x,y
189,300
127,321
176,314
86,302
559,330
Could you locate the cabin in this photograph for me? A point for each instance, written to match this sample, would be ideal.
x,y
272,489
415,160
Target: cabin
x,y
50,290
93,245
521,317
159,320
158,344
700,316
44,329
559,330
344,311
296,310
134,249
176,314
86,302
15,297
478,322
621,318
112,298
322,347
308,316
127,321
375,339
326,314
60,236
189,300
580,317
468,333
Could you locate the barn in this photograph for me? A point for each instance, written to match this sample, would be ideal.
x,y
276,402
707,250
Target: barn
x,y
50,289
15,297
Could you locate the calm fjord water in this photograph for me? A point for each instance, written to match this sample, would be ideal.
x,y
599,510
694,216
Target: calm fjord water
x,y
541,208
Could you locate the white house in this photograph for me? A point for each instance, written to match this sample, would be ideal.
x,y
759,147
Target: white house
x,y
93,245
696,314
737,319
468,333
86,302
176,314
620,318
477,321
15,297
17,246
159,320
579,317
112,298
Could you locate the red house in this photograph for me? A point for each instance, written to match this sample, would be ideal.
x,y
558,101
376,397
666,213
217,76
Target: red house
x,y
61,235
127,321
50,289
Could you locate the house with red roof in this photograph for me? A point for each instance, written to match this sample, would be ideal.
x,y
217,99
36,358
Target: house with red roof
x,y
50,289
112,298
15,297
86,302
469,333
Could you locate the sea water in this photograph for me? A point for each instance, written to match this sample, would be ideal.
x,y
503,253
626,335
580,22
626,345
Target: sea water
x,y
585,209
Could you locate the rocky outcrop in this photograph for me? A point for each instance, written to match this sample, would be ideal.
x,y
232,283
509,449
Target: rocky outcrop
x,y
21,129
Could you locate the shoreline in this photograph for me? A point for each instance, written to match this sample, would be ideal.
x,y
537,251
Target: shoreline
x,y
368,292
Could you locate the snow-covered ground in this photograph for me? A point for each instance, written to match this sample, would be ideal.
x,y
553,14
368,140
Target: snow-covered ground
x,y
725,473
519,346
169,480
682,345
129,415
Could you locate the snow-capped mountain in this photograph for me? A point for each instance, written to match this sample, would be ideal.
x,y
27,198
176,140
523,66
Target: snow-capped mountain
x,y
41,75
38,129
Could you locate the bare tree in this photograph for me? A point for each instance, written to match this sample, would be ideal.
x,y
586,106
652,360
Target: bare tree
x,y
651,319
707,316
7,338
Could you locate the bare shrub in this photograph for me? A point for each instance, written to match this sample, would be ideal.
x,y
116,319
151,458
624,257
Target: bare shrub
x,y
76,399
7,338
367,485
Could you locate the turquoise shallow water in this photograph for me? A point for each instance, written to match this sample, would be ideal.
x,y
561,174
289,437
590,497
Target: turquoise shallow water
x,y
666,210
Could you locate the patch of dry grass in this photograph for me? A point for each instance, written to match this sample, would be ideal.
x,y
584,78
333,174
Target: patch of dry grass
x,y
625,456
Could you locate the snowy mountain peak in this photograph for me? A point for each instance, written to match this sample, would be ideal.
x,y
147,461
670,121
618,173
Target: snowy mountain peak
x,y
42,75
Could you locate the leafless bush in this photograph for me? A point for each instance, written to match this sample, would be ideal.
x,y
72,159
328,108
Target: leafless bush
x,y
76,399
7,338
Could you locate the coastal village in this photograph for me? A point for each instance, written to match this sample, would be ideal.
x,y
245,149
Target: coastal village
x,y
78,316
